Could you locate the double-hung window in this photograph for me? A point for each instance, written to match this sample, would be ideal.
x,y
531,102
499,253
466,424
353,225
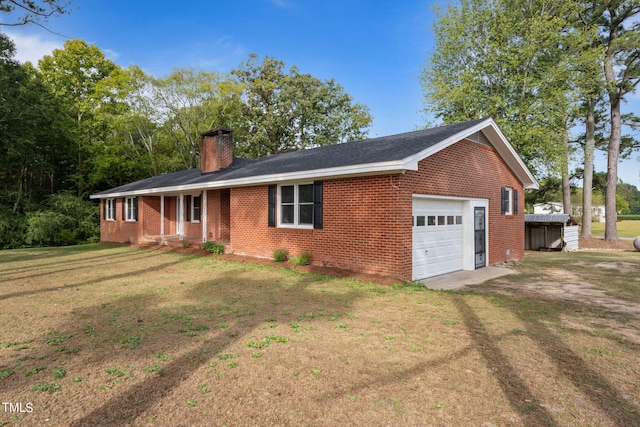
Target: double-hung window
x,y
196,203
509,201
110,210
296,205
131,209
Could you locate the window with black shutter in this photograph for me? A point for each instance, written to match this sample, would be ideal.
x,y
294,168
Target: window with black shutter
x,y
271,214
317,204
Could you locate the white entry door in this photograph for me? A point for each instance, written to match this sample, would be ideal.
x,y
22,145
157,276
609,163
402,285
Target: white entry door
x,y
437,237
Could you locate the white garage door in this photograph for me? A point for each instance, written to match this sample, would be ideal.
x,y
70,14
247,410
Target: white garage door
x,y
437,237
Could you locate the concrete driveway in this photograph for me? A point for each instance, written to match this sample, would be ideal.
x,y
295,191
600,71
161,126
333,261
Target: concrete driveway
x,y
460,279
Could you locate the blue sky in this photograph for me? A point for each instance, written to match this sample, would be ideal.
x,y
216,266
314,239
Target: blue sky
x,y
374,49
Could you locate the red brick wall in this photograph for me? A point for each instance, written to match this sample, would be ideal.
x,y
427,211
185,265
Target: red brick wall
x,y
150,207
218,215
120,231
349,237
367,220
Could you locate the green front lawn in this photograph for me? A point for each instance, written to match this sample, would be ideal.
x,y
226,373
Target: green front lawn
x,y
107,335
628,229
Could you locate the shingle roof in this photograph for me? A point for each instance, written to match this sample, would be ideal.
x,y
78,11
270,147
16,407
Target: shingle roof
x,y
369,151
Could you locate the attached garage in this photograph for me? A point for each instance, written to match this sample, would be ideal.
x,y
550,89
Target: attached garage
x,y
449,234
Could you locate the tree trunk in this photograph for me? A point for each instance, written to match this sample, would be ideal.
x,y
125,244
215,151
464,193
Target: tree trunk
x,y
587,181
566,189
611,231
611,215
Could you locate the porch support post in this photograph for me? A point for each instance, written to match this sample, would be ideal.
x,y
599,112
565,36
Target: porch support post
x,y
162,215
203,209
181,216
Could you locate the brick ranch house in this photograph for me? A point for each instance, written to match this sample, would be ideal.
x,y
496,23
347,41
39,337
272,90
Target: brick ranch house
x,y
409,206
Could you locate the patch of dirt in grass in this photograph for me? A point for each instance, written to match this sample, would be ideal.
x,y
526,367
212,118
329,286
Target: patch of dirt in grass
x,y
576,280
595,243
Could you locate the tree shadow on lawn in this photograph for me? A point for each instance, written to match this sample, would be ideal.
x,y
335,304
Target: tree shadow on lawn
x,y
240,298
521,397
49,252
123,275
37,262
590,383
68,266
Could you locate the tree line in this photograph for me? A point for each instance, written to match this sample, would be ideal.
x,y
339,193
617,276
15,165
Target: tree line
x,y
541,69
77,123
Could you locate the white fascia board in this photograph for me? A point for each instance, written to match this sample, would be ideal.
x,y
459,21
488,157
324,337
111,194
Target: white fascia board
x,y
414,159
508,153
396,166
500,143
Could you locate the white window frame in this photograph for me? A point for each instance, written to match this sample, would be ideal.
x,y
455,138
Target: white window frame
x,y
129,210
110,206
193,199
510,199
296,206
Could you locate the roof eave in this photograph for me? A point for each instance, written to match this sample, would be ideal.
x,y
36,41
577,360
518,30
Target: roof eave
x,y
500,143
379,168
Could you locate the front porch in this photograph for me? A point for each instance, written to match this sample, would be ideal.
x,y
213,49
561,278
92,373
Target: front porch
x,y
193,218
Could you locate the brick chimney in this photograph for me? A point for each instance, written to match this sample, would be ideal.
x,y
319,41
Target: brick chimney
x,y
216,150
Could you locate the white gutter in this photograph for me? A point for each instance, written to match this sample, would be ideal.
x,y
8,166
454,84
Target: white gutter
x,y
396,166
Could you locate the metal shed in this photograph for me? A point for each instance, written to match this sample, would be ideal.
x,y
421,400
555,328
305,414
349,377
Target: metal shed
x,y
549,232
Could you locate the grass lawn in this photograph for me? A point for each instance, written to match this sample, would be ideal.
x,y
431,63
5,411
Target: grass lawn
x,y
106,335
628,229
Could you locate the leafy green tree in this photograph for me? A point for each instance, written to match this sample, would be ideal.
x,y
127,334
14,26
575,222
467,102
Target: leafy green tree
x,y
620,36
68,220
631,195
31,140
131,147
73,74
188,103
515,61
287,111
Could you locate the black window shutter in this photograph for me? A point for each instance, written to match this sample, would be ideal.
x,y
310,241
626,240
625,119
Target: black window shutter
x,y
135,208
515,202
188,208
317,204
272,206
124,202
104,208
504,201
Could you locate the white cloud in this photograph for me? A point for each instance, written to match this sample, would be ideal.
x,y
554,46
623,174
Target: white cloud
x,y
33,47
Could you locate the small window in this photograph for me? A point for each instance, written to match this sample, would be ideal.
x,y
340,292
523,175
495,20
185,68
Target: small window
x,y
441,220
431,220
110,214
196,207
420,221
458,220
450,220
509,195
132,209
